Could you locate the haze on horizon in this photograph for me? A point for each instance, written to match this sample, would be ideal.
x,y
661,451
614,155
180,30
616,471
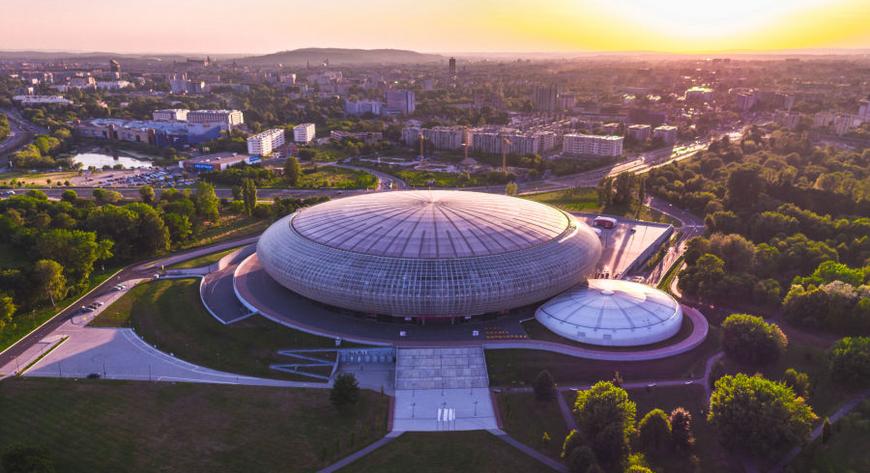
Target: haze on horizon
x,y
265,26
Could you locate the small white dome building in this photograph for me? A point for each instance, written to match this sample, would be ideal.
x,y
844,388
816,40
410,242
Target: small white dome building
x,y
612,312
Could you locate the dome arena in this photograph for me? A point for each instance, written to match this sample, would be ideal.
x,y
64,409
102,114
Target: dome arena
x,y
429,253
613,312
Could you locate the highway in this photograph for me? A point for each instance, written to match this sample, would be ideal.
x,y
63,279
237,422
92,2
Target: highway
x,y
21,133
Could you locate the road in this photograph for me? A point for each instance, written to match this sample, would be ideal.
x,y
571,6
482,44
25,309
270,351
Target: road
x,y
135,271
21,133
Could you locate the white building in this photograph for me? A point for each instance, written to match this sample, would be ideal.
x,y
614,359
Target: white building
x,y
785,119
263,143
400,101
303,133
170,114
639,132
113,84
592,145
29,100
226,119
700,94
864,110
667,133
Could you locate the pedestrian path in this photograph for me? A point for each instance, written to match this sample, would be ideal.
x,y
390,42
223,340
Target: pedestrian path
x,y
442,389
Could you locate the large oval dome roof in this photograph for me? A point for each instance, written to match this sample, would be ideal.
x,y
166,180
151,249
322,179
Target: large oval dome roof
x,y
431,224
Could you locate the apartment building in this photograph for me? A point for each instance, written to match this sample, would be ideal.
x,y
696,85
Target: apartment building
x,y
263,143
592,145
170,114
303,133
226,119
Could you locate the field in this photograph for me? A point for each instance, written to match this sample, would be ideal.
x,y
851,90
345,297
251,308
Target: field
x,y
585,200
36,179
527,419
204,260
99,425
169,314
335,178
437,452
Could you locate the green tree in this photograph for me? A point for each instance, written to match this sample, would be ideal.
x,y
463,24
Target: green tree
x,y
7,310
147,194
292,171
654,431
75,250
70,196
249,195
179,227
48,280
105,196
511,188
26,460
581,459
681,429
545,388
345,391
798,381
606,418
849,361
757,415
207,202
749,339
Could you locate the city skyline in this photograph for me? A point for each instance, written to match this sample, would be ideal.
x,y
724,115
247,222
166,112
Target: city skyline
x,y
516,26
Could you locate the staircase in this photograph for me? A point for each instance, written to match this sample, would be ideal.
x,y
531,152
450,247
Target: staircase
x,y
441,368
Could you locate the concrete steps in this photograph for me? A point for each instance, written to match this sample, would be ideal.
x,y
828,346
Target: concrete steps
x,y
441,368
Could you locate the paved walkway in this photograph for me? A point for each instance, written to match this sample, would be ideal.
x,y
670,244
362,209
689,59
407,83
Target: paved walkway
x,y
553,464
360,453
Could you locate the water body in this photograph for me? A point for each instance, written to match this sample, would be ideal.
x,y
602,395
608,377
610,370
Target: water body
x,y
99,160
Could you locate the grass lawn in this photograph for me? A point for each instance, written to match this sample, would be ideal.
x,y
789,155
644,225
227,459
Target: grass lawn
x,y
100,425
712,457
519,367
335,178
437,452
227,228
845,452
673,271
527,419
585,200
37,179
826,395
24,322
204,260
169,314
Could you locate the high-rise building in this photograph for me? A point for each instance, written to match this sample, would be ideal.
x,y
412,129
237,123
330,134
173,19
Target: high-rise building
x,y
400,101
303,133
115,68
639,132
262,144
667,133
592,145
361,107
546,99
451,66
864,110
699,94
226,119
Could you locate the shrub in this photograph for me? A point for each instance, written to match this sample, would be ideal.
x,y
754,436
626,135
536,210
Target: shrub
x,y
749,339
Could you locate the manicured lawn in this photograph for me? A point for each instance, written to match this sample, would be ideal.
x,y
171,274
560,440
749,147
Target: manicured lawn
x,y
518,367
846,451
169,314
204,260
24,322
527,419
437,452
99,425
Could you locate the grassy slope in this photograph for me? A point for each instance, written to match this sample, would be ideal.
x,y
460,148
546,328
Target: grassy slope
x,y
586,200
438,452
170,315
526,420
135,427
845,452
204,260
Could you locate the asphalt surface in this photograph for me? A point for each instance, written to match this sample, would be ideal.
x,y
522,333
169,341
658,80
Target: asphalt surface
x,y
21,133
135,271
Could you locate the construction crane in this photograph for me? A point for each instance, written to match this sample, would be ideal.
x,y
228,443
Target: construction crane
x,y
505,142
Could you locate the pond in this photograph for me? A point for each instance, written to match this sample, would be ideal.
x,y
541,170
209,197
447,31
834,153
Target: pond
x,y
99,160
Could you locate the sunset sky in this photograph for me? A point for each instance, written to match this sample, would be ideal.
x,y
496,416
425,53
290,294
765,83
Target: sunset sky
x,y
263,26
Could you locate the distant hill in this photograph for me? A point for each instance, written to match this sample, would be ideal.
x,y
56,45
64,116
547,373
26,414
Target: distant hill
x,y
338,56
